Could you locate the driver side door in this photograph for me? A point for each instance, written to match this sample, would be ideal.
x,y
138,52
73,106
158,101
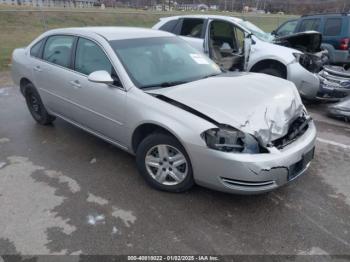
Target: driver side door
x,y
225,41
98,107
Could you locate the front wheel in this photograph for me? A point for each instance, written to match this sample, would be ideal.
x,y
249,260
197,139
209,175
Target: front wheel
x,y
164,163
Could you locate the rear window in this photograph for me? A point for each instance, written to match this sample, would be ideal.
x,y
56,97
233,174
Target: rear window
x,y
310,25
333,27
192,27
36,49
169,26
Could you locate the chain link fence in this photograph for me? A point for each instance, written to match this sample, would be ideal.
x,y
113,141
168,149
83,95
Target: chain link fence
x,y
19,27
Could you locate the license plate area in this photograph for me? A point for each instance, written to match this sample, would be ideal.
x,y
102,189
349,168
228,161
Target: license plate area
x,y
298,167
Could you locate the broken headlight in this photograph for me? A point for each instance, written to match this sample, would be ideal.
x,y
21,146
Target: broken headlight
x,y
303,59
228,139
310,62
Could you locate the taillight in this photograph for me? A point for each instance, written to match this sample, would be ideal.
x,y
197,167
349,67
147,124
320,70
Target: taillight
x,y
344,44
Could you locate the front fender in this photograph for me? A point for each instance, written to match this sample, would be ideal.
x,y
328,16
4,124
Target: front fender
x,y
267,51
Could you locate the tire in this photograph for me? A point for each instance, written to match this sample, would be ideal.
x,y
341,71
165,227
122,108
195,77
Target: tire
x,y
272,71
160,158
36,107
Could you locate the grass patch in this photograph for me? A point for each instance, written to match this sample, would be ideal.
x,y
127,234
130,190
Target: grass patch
x,y
19,28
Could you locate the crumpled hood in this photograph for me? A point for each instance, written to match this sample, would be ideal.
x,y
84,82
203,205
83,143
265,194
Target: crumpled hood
x,y
308,41
258,104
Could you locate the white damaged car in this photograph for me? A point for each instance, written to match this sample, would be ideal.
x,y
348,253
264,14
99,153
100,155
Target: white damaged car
x,y
238,45
153,95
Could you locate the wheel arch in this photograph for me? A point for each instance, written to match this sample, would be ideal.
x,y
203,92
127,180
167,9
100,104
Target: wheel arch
x,y
270,63
145,129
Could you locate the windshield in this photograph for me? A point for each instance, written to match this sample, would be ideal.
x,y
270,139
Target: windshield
x,y
259,33
162,61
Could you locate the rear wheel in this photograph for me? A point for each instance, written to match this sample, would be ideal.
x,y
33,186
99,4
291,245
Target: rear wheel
x,y
164,163
36,107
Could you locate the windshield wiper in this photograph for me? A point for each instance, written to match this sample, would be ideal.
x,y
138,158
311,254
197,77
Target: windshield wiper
x,y
165,84
211,75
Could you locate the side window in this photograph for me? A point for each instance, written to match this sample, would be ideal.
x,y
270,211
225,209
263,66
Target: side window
x,y
169,26
58,50
90,58
310,24
192,27
287,28
36,49
332,27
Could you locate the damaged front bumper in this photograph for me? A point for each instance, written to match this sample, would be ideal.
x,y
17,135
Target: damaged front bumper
x,y
253,173
307,83
334,83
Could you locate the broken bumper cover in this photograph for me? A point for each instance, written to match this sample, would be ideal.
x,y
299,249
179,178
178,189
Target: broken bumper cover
x,y
341,109
253,173
307,83
334,83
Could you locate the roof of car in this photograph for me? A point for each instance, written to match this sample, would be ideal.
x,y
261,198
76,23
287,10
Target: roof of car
x,y
113,32
224,17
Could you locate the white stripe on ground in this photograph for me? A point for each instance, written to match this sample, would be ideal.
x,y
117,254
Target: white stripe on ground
x,y
330,142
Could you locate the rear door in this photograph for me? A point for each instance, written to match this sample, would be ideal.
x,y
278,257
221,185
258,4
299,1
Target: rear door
x,y
52,71
333,31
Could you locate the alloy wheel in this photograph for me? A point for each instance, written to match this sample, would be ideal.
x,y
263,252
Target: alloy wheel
x,y
166,164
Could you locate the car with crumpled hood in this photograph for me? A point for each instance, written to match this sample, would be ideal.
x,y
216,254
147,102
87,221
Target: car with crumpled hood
x,y
155,96
335,30
238,45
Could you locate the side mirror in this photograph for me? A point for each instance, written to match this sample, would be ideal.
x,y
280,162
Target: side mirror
x,y
102,77
274,33
250,36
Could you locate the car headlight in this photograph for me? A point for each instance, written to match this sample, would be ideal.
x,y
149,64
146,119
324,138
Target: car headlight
x,y
301,58
228,139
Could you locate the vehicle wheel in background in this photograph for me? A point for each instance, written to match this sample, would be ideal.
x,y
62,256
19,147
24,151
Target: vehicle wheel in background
x,y
36,107
164,163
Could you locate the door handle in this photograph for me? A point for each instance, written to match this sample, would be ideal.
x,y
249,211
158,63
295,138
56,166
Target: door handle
x,y
37,69
75,84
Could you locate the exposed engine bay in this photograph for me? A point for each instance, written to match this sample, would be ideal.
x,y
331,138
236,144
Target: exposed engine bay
x,y
313,58
307,42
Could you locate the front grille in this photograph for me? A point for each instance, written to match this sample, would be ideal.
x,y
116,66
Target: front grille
x,y
296,129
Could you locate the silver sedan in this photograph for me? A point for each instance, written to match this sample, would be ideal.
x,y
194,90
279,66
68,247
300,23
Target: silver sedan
x,y
151,94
